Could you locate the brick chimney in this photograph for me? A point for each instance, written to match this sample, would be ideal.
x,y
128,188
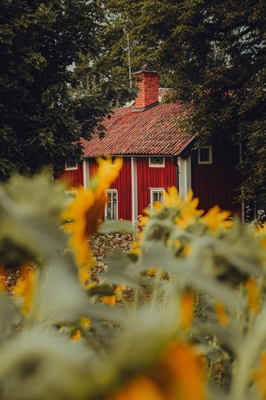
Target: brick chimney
x,y
148,94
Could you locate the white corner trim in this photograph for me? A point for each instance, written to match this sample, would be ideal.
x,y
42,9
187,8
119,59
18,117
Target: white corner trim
x,y
85,174
134,188
184,166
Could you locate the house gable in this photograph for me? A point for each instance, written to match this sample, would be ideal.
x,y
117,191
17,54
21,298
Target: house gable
x,y
216,183
153,133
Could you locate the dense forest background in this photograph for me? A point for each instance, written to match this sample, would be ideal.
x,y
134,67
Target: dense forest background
x,y
66,64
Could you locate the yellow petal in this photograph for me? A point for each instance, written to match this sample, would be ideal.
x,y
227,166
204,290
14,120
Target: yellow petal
x,y
84,321
25,288
260,376
221,313
187,310
76,335
215,218
253,295
109,300
186,371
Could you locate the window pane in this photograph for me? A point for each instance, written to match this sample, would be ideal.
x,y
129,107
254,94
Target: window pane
x,y
71,165
157,197
204,154
156,161
111,206
160,197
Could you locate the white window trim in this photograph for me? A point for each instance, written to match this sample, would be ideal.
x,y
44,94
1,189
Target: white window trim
x,y
210,154
105,209
157,165
74,168
155,190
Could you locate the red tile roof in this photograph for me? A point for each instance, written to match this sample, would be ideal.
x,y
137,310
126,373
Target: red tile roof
x,y
153,131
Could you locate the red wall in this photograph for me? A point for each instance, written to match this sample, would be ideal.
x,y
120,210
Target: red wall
x,y
73,178
123,186
153,177
213,184
147,177
216,183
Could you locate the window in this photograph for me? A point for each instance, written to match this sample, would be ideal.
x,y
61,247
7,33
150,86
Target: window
x,y
157,162
205,155
111,204
71,165
157,196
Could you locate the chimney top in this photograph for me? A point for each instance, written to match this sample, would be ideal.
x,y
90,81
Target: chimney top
x,y
148,94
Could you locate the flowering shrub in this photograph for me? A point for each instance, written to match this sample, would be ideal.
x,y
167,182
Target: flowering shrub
x,y
102,244
180,314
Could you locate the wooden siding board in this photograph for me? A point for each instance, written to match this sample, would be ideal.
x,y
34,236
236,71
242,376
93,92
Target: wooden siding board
x,y
73,178
215,183
153,177
93,165
123,186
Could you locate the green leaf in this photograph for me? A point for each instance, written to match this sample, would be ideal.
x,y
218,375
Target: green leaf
x,y
114,225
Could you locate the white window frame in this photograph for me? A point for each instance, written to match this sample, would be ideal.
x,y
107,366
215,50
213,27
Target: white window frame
x,y
152,192
154,165
72,168
209,148
106,205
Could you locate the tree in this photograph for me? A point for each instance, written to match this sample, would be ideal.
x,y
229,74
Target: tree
x,y
42,45
123,50
211,54
215,57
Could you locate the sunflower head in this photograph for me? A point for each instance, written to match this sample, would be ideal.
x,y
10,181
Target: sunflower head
x,y
84,214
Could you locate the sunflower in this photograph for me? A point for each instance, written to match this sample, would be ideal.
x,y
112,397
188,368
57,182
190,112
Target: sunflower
x,y
118,295
221,313
85,212
25,288
186,211
177,375
260,374
215,218
187,302
188,208
253,294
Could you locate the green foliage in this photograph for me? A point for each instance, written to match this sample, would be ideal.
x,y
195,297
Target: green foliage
x,y
38,359
41,46
216,53
211,54
123,49
189,255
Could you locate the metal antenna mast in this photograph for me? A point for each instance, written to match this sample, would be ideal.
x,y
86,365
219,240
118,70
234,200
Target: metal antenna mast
x,y
129,62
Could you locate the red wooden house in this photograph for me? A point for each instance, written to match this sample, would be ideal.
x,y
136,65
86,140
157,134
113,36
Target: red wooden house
x,y
157,154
